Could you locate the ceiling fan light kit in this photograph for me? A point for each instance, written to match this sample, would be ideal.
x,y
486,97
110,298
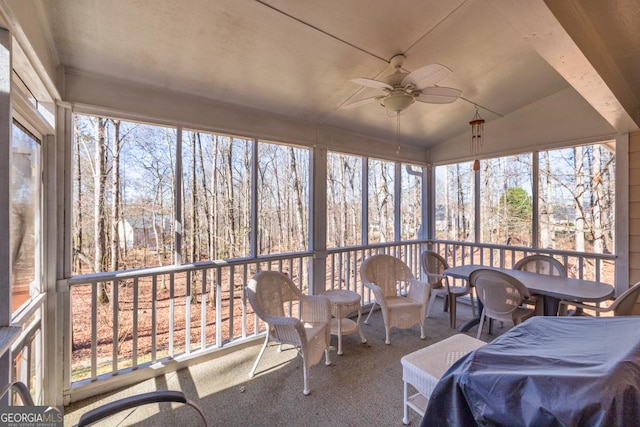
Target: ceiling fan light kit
x,y
397,102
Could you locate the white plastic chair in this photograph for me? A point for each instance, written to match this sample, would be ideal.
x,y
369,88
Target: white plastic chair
x,y
627,303
540,264
434,265
303,321
385,275
501,296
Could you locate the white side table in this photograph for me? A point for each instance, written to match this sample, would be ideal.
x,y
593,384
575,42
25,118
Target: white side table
x,y
424,368
343,303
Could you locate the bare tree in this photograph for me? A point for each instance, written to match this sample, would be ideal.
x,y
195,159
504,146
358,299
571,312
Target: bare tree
x,y
78,234
545,216
231,215
297,191
580,190
115,198
100,179
193,249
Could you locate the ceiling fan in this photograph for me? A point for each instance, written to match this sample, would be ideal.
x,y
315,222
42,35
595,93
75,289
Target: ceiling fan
x,y
403,89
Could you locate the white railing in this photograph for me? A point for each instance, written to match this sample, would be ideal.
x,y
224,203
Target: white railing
x,y
582,265
343,264
180,312
163,313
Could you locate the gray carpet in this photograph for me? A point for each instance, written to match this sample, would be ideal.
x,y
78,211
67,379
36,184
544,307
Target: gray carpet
x,y
363,387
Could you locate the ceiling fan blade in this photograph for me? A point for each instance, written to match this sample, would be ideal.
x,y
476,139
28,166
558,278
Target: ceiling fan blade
x,y
441,91
426,76
439,95
435,99
360,102
371,83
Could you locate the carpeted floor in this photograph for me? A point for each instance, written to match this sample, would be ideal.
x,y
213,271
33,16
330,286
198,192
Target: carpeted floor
x,y
363,387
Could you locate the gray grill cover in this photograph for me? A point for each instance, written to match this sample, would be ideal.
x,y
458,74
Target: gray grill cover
x,y
548,371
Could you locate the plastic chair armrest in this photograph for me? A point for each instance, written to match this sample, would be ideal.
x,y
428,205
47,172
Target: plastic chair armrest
x,y
21,389
582,305
134,401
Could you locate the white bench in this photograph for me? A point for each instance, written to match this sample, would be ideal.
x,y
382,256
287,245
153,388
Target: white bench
x,y
424,368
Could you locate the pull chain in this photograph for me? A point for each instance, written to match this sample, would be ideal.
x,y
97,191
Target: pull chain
x,y
398,133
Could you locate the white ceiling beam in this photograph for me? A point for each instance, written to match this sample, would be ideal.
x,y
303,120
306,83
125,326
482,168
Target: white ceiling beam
x,y
537,24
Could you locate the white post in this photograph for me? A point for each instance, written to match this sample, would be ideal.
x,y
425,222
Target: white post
x,y
318,219
5,195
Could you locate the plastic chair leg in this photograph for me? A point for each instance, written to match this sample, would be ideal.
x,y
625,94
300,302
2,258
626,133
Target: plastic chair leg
x,y
432,300
452,311
482,317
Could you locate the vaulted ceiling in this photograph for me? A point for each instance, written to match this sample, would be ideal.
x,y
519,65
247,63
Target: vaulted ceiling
x,y
295,57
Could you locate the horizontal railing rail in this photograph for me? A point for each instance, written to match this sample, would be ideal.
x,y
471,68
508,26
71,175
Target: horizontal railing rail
x,y
124,321
581,265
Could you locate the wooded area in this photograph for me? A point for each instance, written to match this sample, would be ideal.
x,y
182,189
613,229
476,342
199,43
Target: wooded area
x,y
126,208
126,204
576,195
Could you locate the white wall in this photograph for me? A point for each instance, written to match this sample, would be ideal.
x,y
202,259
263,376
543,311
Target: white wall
x,y
95,94
560,119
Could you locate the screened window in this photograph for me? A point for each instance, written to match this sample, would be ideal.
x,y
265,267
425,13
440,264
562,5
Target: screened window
x,y
283,198
506,200
577,210
123,193
411,202
454,202
217,196
344,200
576,194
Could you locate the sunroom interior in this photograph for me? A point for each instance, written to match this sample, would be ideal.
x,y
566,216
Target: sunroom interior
x,y
270,81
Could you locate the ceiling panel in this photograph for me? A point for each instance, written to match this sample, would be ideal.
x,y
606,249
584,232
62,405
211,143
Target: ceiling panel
x,y
295,58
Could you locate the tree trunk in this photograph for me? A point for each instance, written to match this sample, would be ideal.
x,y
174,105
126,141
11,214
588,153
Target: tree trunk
x,y
386,196
115,201
231,215
207,195
79,226
283,232
297,189
599,200
100,179
579,177
545,219
158,235
214,200
194,189
462,214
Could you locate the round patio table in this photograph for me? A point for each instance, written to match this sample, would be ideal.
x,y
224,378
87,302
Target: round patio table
x,y
343,303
